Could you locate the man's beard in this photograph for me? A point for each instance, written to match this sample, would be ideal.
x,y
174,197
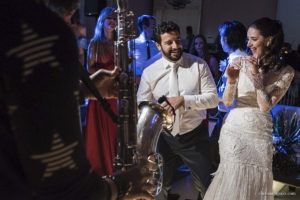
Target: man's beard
x,y
169,56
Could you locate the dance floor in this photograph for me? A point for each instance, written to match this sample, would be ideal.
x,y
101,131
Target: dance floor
x,y
183,185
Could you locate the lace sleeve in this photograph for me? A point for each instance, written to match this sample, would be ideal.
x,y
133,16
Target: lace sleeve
x,y
267,99
229,94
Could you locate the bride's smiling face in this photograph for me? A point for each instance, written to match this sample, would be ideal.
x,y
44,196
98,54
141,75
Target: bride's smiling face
x,y
256,42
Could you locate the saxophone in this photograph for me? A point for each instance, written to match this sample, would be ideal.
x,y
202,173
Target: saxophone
x,y
136,140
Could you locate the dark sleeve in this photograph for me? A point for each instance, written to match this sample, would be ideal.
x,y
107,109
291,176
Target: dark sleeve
x,y
40,126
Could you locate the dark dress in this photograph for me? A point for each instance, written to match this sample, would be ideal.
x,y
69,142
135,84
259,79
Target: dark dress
x,y
101,131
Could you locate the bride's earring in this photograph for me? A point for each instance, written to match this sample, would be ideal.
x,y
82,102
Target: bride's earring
x,y
268,43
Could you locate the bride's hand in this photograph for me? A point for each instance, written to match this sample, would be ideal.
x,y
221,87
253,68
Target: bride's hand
x,y
233,70
232,73
253,63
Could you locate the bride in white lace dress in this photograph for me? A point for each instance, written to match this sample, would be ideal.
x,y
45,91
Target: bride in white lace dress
x,y
257,82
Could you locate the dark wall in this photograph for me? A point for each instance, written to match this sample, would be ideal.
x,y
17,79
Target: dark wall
x,y
215,12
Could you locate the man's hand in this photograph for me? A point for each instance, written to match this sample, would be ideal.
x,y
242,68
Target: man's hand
x,y
139,179
106,83
176,102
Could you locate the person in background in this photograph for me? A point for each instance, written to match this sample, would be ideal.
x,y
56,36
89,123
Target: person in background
x,y
101,131
144,45
290,57
42,154
187,83
218,50
233,40
80,34
199,48
65,9
257,83
187,43
298,58
71,17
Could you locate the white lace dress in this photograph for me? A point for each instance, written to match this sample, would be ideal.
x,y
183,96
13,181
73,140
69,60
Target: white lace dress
x,y
246,149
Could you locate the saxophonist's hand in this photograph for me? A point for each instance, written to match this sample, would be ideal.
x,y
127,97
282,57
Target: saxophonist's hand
x,y
106,82
137,182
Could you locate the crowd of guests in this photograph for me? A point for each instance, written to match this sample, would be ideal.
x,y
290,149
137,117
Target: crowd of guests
x,y
244,88
152,43
163,45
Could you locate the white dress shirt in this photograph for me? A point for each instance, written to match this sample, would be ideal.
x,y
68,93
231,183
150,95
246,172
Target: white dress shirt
x,y
195,84
221,89
140,54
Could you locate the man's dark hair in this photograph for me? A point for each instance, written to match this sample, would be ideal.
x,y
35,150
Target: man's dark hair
x,y
144,20
236,34
164,27
63,7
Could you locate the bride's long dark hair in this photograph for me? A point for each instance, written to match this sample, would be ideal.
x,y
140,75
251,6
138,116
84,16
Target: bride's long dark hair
x,y
271,58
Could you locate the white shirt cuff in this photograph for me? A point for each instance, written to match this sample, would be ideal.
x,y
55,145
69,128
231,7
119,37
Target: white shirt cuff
x,y
189,101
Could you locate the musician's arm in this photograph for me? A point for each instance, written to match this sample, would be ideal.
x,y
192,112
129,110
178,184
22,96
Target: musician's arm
x,y
106,83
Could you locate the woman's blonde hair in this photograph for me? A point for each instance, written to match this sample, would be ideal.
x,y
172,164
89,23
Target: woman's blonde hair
x,y
99,40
